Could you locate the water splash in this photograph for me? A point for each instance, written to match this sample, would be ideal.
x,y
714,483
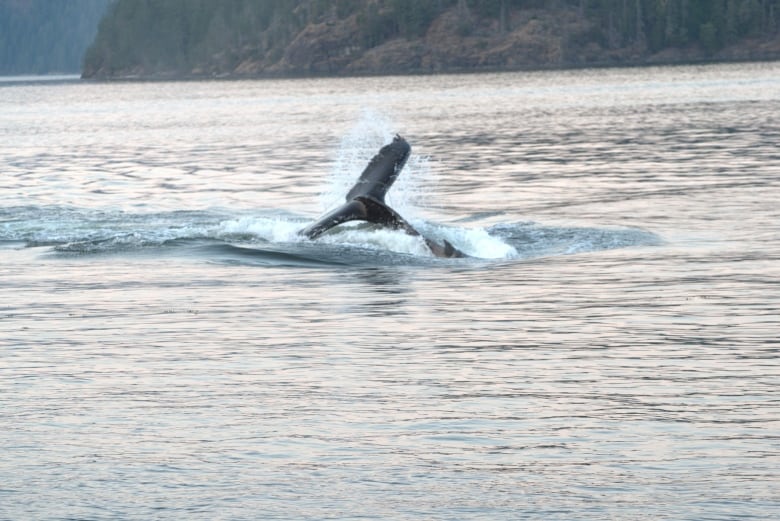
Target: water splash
x,y
372,131
381,239
477,242
355,150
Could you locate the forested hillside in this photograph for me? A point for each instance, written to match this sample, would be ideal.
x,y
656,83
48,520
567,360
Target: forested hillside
x,y
44,36
282,37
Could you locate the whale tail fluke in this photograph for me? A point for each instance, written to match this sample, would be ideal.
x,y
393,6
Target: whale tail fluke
x,y
366,200
382,171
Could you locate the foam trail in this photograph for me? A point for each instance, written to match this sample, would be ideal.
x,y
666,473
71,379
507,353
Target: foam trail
x,y
479,243
270,229
379,239
474,242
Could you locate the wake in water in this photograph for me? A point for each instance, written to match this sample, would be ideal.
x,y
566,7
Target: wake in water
x,y
273,236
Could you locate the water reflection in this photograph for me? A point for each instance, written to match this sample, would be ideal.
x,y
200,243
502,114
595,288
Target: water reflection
x,y
378,291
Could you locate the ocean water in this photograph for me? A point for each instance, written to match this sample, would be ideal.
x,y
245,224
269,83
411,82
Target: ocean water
x,y
171,348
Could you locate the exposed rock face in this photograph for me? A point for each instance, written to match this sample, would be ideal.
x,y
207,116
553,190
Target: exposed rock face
x,y
394,56
538,39
324,48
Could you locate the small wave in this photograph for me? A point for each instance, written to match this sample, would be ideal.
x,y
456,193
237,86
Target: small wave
x,y
272,229
223,253
118,244
533,240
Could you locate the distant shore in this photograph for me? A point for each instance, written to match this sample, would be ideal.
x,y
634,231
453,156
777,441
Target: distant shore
x,y
365,43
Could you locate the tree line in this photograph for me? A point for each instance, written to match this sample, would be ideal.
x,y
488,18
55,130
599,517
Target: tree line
x,y
181,34
658,24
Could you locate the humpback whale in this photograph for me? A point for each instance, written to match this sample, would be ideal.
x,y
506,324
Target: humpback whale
x,y
366,200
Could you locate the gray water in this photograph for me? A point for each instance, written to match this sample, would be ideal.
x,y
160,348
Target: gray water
x,y
170,348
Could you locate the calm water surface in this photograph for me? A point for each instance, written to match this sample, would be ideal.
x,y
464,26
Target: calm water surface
x,y
170,348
